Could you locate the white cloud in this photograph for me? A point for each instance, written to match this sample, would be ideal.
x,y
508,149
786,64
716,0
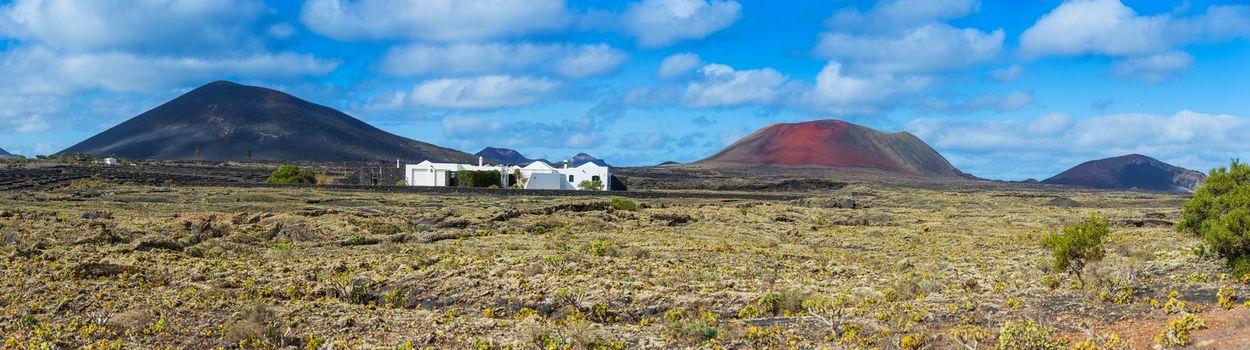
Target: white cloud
x,y
1011,102
58,49
433,20
1056,141
1108,27
836,92
1153,68
893,15
156,26
32,123
678,65
569,61
1006,75
42,71
930,47
590,60
659,23
1145,47
485,92
722,85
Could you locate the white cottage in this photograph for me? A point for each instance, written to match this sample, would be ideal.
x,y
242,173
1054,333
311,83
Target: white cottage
x,y
428,173
539,175
536,175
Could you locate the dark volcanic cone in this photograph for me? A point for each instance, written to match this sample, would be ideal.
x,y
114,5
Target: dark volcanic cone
x,y
1133,171
224,120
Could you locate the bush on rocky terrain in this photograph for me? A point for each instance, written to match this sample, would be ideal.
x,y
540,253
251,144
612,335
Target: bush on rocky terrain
x,y
1219,213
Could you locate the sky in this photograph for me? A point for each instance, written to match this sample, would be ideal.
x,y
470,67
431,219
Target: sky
x,y
1003,89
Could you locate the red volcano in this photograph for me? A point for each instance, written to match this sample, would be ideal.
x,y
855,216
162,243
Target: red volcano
x,y
835,144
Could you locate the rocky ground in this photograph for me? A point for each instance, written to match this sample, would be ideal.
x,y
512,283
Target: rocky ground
x,y
99,265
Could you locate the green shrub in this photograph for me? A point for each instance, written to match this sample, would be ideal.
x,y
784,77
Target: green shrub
x,y
1078,245
1219,213
623,204
1028,335
478,178
591,185
1179,331
290,174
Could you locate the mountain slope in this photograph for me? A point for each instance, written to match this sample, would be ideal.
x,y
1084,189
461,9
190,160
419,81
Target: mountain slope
x,y
834,144
1132,171
504,156
224,121
4,153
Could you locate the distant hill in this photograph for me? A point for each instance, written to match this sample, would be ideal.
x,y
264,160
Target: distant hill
x,y
507,156
4,153
834,144
583,158
223,121
503,156
1132,171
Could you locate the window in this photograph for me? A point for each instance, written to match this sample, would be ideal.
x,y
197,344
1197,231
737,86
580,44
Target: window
x,y
570,178
594,178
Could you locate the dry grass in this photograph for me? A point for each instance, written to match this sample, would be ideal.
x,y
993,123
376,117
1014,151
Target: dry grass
x,y
208,267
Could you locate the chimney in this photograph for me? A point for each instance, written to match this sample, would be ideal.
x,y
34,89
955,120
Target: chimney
x,y
566,164
480,160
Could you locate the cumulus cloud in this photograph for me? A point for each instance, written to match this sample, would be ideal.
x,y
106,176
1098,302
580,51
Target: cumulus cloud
x,y
1146,47
836,92
893,15
678,65
908,36
1056,141
659,23
1153,68
42,71
722,85
433,20
1011,102
1108,27
569,61
158,26
57,50
485,92
930,47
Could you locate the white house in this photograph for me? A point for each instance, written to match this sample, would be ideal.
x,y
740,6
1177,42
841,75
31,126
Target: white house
x,y
428,173
536,175
110,161
541,176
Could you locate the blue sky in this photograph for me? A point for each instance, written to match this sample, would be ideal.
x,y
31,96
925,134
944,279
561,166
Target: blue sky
x,y
1003,89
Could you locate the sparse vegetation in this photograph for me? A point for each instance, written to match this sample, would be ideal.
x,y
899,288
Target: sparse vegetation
x,y
623,204
152,266
1219,213
291,174
1179,331
478,178
590,185
1078,245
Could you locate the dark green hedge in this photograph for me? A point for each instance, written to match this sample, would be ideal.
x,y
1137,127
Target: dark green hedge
x,y
478,178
